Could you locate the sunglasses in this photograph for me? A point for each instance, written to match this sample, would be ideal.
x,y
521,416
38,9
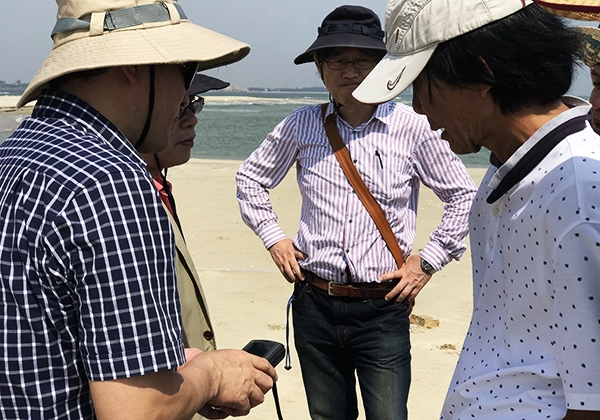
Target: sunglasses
x,y
189,71
196,105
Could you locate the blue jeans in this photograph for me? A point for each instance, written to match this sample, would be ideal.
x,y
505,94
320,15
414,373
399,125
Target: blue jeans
x,y
336,337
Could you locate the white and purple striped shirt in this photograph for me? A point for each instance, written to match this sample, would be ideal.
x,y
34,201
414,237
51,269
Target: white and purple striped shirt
x,y
393,152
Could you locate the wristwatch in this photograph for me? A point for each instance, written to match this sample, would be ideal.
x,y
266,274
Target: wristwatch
x,y
427,268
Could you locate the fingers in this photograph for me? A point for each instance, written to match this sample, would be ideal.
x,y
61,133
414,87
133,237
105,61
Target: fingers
x,y
297,273
227,382
286,257
412,280
408,288
236,381
264,366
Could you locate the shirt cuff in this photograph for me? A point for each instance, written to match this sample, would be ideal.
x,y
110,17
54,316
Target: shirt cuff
x,y
435,255
271,234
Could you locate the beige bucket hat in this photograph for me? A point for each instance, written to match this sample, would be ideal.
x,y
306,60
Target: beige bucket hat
x,y
92,34
572,9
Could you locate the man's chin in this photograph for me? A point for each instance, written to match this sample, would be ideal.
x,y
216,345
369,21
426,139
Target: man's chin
x,y
460,148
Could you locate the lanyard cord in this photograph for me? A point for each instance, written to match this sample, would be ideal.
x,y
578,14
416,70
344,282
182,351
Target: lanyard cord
x,y
276,398
288,364
288,358
151,98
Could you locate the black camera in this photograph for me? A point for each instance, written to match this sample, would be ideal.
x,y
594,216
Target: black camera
x,y
270,350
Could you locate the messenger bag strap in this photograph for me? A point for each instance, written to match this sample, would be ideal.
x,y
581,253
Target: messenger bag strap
x,y
374,209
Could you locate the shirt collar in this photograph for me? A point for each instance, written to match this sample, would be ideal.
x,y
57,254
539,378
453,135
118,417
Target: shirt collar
x,y
57,104
382,113
577,107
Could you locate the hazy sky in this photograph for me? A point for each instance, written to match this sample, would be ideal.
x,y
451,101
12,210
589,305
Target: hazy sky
x,y
277,31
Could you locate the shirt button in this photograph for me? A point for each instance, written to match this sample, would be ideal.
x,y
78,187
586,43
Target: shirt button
x,y
350,221
208,335
496,211
347,251
491,243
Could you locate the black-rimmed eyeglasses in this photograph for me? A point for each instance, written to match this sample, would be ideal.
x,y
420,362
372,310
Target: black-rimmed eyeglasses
x,y
196,105
358,64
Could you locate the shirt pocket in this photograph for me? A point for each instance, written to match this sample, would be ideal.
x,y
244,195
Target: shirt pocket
x,y
388,178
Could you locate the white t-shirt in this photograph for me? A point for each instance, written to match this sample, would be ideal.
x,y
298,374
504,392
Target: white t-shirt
x,y
533,346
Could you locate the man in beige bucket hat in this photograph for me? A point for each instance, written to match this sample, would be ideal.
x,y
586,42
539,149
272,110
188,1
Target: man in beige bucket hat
x,y
493,74
91,322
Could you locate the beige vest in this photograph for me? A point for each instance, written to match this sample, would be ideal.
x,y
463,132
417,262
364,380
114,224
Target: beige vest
x,y
197,328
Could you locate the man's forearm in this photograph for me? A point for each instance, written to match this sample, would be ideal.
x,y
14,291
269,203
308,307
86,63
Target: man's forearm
x,y
154,396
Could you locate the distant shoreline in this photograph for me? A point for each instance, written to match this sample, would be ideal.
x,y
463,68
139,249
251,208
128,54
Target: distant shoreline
x,y
8,104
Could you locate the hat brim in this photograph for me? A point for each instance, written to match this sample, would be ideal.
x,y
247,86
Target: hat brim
x,y
591,49
170,44
577,10
203,83
340,40
391,76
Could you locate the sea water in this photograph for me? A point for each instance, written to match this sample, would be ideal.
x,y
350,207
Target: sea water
x,y
232,129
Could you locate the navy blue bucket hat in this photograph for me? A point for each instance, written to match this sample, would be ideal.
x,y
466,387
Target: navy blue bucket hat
x,y
203,83
347,26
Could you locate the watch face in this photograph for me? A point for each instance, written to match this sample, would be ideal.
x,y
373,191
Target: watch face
x,y
426,267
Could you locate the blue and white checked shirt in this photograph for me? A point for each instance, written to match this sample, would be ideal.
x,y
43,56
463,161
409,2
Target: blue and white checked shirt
x,y
393,152
86,263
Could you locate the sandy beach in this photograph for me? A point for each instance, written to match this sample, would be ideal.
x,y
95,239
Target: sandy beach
x,y
247,295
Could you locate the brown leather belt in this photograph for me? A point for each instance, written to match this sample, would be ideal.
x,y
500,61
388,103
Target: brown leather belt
x,y
362,291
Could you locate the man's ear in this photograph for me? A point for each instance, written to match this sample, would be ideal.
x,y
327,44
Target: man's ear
x,y
485,89
133,74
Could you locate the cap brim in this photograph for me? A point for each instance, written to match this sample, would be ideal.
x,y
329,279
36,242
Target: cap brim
x,y
391,76
341,40
203,83
577,10
170,44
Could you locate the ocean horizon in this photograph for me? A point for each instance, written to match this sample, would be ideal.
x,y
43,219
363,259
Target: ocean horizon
x,y
233,124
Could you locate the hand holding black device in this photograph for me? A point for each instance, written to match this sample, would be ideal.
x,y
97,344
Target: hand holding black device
x,y
270,350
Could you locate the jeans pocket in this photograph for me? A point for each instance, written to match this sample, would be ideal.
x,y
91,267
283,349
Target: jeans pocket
x,y
385,305
300,290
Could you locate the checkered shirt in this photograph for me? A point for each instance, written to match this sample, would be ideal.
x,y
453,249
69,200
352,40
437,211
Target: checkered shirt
x,y
87,279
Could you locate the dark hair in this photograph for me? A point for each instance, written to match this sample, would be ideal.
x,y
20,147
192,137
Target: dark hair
x,y
78,75
527,58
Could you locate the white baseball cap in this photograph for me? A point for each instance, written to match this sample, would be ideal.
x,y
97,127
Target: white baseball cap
x,y
414,28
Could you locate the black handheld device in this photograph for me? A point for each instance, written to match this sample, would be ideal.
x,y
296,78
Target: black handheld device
x,y
270,350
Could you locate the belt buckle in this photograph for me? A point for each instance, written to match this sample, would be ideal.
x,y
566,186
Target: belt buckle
x,y
329,292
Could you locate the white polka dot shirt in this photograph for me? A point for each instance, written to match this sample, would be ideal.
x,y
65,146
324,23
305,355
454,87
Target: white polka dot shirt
x,y
533,347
